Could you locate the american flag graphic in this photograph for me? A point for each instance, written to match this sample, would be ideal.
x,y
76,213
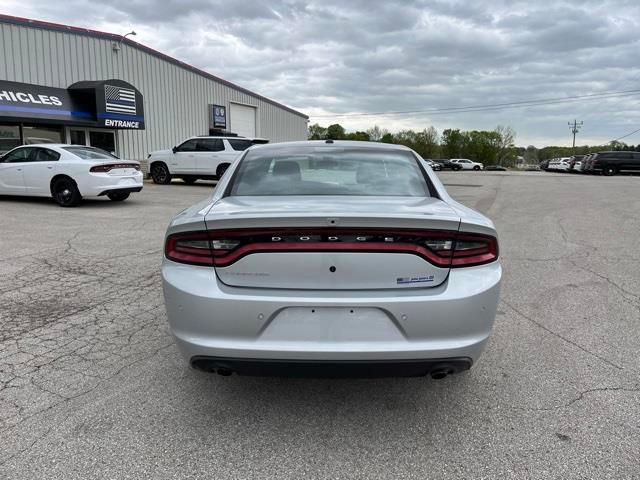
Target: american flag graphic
x,y
120,100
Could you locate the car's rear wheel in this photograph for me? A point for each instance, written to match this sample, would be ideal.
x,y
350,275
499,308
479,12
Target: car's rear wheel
x,y
118,196
609,170
65,192
160,173
189,181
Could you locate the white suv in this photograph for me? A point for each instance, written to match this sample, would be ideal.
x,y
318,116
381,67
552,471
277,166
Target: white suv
x,y
196,158
467,164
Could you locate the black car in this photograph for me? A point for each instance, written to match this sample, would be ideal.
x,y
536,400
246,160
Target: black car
x,y
446,164
544,165
611,163
433,164
495,168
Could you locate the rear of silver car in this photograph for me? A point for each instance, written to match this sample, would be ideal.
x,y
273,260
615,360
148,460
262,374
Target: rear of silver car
x,y
331,285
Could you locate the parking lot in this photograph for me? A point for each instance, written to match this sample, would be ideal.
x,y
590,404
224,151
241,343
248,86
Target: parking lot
x,y
92,385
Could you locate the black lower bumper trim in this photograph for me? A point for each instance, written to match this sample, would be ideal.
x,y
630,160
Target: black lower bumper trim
x,y
121,190
330,368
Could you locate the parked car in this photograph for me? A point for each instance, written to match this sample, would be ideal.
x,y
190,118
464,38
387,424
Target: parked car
x,y
531,168
341,258
467,164
575,161
544,165
447,164
559,164
197,158
581,167
612,163
434,165
68,173
496,168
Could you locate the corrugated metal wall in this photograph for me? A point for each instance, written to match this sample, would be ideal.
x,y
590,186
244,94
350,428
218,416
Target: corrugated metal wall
x,y
175,99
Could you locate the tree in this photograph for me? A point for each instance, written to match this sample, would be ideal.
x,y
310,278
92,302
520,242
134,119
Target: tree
x,y
359,136
452,143
387,138
376,133
531,155
316,132
335,132
506,154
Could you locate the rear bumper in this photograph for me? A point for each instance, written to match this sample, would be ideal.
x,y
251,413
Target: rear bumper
x,y
97,184
121,190
210,319
332,369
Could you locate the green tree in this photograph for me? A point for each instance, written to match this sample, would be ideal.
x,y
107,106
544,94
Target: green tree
x,y
530,155
335,132
453,142
358,136
316,132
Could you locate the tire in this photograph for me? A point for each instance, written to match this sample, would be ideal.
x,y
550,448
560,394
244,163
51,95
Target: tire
x,y
476,167
118,196
609,170
65,192
221,169
189,181
160,173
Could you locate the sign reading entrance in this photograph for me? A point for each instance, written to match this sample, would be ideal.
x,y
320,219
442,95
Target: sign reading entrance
x,y
108,103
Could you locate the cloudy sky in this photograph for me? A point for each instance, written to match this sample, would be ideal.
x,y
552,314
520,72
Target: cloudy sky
x,y
329,57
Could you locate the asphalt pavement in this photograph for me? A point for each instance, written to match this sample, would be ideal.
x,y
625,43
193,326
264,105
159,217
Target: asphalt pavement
x,y
92,385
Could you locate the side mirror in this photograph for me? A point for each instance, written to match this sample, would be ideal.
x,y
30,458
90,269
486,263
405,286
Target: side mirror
x,y
174,149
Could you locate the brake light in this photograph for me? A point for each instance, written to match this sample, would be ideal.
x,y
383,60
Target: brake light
x,y
221,248
112,166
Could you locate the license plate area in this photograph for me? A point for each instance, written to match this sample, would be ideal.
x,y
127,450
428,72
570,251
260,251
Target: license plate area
x,y
332,325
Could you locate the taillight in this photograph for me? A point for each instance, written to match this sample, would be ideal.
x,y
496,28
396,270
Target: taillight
x,y
193,248
221,248
112,166
474,249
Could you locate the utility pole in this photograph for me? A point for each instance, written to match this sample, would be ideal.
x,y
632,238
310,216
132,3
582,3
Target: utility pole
x,y
575,128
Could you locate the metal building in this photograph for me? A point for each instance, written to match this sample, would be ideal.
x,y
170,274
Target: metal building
x,y
74,85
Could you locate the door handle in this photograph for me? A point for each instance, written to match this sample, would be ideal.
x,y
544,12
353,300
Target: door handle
x,y
19,169
50,168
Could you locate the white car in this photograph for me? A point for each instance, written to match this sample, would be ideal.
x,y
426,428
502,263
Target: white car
x,y
67,173
331,258
467,164
197,158
560,164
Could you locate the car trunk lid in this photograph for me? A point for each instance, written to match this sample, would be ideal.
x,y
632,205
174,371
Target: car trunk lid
x,y
332,243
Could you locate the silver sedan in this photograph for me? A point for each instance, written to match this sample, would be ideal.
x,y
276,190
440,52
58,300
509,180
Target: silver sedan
x,y
331,259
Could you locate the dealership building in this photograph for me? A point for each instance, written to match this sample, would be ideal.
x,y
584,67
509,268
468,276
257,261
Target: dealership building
x,y
66,84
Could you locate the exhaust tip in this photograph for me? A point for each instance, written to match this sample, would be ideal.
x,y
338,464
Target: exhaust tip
x,y
442,372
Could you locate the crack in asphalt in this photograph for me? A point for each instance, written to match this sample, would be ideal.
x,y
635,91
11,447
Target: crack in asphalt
x,y
561,337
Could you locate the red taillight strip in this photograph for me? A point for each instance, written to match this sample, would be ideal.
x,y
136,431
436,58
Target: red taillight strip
x,y
111,166
234,256
221,258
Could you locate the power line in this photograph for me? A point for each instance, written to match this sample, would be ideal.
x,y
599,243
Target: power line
x,y
494,106
627,135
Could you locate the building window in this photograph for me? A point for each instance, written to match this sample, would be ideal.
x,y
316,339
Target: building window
x,y
42,134
9,137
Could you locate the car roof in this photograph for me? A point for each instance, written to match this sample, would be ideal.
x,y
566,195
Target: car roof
x,y
333,143
219,136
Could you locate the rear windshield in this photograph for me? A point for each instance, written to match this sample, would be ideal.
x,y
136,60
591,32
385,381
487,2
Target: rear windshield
x,y
90,153
329,171
240,144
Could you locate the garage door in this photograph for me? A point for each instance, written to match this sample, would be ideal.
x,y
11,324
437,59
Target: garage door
x,y
243,120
